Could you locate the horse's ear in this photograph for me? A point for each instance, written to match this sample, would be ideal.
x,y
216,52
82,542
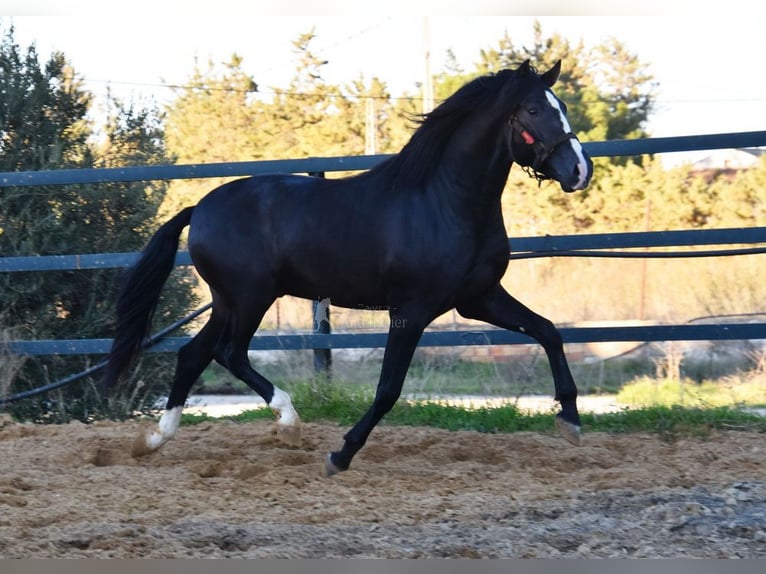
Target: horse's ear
x,y
524,68
549,78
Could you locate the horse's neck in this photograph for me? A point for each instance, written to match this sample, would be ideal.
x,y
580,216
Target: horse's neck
x,y
477,161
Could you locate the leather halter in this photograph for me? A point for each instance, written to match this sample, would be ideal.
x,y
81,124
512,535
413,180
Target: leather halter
x,y
542,149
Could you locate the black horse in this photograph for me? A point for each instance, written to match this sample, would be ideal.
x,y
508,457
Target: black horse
x,y
419,234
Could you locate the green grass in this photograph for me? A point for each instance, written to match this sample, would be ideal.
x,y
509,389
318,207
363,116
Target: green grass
x,y
648,392
322,401
669,408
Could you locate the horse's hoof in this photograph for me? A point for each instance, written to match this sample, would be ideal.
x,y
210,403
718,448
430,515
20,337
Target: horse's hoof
x,y
329,467
140,446
570,431
289,434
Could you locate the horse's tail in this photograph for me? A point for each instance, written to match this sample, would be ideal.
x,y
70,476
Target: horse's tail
x,y
139,296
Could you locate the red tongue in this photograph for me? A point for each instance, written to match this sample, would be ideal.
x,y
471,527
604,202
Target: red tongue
x,y
527,137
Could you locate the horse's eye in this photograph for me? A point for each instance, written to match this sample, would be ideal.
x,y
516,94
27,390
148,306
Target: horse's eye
x,y
532,111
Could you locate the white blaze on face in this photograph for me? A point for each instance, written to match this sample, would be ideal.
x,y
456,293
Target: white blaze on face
x,y
575,143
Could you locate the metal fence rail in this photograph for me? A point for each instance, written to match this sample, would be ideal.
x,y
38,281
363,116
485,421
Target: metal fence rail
x,y
459,338
520,247
613,148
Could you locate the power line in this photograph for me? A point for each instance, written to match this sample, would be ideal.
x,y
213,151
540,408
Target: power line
x,y
277,91
272,92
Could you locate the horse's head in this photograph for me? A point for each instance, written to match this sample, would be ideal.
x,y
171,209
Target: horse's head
x,y
539,135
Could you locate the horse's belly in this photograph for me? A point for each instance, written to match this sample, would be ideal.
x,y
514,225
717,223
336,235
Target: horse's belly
x,y
353,288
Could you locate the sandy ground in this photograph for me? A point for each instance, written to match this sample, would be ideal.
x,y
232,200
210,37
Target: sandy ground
x,y
232,490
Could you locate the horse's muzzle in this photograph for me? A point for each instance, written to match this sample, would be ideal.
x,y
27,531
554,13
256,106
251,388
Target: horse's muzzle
x,y
572,167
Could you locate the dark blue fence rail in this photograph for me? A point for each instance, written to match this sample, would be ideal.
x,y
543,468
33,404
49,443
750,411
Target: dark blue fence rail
x,y
570,245
733,331
590,245
353,163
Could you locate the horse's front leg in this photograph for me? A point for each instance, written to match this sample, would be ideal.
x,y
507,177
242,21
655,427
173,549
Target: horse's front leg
x,y
403,336
501,309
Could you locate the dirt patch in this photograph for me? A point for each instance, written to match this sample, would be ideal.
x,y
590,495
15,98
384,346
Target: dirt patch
x,y
232,490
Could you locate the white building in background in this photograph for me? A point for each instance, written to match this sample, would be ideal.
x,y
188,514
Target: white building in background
x,y
728,159
717,159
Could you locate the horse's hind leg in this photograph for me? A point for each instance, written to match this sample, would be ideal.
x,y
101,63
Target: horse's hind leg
x,y
192,359
234,357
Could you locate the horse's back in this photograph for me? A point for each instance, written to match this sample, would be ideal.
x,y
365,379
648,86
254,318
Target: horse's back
x,y
310,237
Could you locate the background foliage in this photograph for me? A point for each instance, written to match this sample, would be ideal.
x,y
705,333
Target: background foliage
x,y
44,125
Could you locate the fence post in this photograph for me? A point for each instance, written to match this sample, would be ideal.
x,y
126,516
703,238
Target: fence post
x,y
322,357
321,314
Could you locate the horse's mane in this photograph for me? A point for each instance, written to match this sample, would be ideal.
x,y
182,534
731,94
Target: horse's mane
x,y
420,156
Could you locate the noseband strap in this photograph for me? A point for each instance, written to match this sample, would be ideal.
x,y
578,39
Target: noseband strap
x,y
542,149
